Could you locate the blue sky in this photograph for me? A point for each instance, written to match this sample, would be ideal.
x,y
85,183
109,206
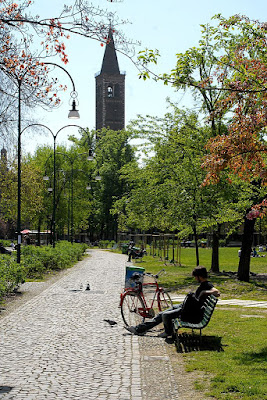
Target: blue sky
x,y
171,26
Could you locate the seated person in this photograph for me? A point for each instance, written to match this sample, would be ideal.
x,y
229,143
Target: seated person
x,y
195,315
254,252
3,250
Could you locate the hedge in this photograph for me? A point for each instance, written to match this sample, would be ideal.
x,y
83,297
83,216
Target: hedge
x,y
35,262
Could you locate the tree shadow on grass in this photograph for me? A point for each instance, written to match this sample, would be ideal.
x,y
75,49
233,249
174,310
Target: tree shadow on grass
x,y
247,358
256,280
189,342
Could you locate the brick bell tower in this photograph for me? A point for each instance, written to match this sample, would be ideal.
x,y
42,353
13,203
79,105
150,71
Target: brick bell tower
x,y
110,90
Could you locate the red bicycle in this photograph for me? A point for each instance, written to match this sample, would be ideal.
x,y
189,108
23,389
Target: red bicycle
x,y
144,300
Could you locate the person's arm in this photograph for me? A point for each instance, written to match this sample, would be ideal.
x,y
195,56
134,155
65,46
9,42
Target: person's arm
x,y
213,291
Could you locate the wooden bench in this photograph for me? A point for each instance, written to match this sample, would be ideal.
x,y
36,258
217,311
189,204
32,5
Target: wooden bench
x,y
209,306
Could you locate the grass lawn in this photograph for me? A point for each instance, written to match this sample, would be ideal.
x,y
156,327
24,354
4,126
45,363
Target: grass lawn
x,y
238,371
179,279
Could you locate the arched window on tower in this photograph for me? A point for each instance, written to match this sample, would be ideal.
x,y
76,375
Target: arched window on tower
x,y
110,91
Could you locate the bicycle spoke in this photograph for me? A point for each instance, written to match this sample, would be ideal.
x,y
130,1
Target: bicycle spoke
x,y
131,309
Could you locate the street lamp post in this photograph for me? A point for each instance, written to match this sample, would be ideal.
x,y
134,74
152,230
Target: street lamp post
x,y
73,114
19,173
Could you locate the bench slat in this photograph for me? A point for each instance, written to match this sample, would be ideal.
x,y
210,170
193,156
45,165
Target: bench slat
x,y
209,306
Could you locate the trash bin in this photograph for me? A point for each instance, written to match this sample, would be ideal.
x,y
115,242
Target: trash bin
x,y
124,248
130,270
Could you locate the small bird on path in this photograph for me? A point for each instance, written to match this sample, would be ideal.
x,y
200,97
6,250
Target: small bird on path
x,y
110,322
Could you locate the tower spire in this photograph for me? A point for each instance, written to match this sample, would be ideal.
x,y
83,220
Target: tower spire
x,y
110,63
110,90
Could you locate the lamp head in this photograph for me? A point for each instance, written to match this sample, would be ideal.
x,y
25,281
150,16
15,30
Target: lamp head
x,y
74,114
90,156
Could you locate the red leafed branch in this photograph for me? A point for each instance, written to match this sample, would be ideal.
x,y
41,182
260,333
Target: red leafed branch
x,y
259,210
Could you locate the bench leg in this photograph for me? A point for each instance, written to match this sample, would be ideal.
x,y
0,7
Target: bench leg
x,y
176,340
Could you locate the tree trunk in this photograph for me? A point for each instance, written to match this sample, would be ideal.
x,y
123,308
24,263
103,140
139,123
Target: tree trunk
x,y
244,262
196,244
215,251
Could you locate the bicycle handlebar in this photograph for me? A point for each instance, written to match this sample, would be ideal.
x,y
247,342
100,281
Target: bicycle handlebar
x,y
156,276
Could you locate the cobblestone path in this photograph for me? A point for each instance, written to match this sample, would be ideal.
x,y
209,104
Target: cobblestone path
x,y
58,346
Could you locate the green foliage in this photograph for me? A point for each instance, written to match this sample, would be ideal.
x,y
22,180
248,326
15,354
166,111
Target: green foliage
x,y
35,262
73,171
6,243
146,57
11,274
31,192
166,192
113,153
40,259
106,244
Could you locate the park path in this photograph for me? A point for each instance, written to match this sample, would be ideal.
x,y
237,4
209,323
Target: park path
x,y
58,346
55,344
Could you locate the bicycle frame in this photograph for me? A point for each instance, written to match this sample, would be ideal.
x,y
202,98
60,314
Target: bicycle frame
x,y
147,311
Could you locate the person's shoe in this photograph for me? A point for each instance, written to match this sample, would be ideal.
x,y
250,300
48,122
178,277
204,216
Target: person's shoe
x,y
164,335
133,330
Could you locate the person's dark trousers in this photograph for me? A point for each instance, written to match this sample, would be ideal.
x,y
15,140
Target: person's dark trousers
x,y
149,324
168,316
130,254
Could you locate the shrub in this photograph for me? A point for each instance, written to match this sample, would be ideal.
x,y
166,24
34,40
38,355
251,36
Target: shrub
x,y
103,244
35,261
60,257
11,274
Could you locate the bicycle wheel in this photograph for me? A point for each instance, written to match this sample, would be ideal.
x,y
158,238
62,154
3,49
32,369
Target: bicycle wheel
x,y
131,305
164,301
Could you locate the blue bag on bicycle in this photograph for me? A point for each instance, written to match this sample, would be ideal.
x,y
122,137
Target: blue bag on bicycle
x,y
130,270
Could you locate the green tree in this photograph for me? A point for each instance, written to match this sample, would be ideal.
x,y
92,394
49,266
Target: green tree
x,y
73,172
112,152
227,72
167,192
31,193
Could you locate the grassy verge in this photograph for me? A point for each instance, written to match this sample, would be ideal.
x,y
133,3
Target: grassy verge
x,y
238,371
